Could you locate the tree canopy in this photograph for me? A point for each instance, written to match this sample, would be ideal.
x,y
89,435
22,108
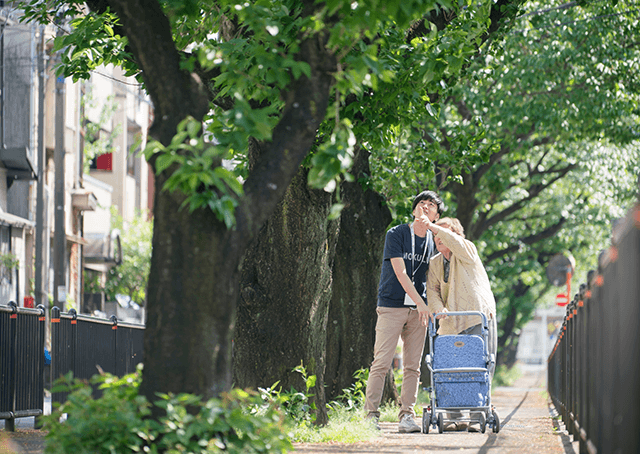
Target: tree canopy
x,y
556,105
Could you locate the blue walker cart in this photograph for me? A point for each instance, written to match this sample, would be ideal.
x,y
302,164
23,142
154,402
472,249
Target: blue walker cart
x,y
460,367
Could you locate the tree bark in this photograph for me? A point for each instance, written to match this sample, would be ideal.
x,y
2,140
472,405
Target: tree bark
x,y
508,342
191,301
280,305
508,353
356,272
285,292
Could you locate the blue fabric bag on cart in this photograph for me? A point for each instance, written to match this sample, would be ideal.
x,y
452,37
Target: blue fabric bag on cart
x,y
460,389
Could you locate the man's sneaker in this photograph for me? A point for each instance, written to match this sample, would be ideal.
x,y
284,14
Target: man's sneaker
x,y
373,420
408,425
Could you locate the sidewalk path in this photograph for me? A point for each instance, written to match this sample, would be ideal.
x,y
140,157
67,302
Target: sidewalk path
x,y
26,439
528,420
529,426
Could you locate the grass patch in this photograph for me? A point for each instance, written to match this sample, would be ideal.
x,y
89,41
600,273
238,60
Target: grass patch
x,y
505,376
344,426
389,412
347,416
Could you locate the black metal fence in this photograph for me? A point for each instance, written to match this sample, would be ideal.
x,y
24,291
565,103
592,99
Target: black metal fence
x,y
80,344
87,345
22,334
594,368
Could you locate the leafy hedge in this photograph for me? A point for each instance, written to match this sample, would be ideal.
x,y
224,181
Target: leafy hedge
x,y
117,422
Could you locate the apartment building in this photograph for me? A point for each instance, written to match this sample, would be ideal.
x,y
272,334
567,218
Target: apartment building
x,y
55,200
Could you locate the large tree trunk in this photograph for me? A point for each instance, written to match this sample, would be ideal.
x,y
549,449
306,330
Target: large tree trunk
x,y
508,341
285,291
193,285
507,356
356,272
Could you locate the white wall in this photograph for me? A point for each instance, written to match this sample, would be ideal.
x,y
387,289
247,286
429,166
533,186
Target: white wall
x,y
99,220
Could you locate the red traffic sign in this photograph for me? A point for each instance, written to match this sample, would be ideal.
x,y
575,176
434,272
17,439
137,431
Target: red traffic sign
x,y
562,299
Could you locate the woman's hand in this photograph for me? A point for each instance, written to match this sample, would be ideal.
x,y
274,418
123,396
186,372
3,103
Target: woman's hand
x,y
440,315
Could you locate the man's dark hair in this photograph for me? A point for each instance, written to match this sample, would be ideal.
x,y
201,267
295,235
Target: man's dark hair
x,y
429,195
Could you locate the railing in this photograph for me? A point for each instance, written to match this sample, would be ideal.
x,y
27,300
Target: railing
x,y
88,345
594,368
80,344
22,334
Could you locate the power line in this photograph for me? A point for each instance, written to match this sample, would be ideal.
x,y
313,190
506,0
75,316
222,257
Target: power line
x,y
114,79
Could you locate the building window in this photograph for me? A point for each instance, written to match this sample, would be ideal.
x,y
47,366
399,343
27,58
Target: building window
x,y
97,146
6,272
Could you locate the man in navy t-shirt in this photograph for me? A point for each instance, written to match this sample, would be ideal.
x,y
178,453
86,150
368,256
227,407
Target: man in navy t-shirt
x,y
402,309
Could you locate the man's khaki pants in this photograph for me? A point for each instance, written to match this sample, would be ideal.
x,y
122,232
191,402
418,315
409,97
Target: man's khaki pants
x,y
393,323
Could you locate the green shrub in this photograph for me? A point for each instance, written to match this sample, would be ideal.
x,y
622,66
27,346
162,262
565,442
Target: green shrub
x,y
298,406
352,398
117,422
505,376
237,423
113,423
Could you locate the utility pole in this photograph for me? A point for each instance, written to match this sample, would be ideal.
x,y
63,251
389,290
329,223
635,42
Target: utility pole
x,y
40,205
59,240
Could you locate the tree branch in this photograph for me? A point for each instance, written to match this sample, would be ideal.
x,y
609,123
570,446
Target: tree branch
x,y
531,239
306,102
534,190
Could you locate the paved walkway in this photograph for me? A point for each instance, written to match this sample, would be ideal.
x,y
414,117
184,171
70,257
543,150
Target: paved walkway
x,y
529,425
26,439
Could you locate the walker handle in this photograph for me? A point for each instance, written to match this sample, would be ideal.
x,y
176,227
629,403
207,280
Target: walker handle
x,y
485,322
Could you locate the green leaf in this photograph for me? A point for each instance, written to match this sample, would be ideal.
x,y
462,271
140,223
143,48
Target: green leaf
x,y
164,161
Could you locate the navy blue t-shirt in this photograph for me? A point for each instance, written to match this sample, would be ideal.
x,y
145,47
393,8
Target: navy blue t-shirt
x,y
398,244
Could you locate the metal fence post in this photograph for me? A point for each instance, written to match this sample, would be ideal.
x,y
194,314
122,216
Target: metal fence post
x,y
114,330
590,391
10,423
42,319
74,340
570,423
583,358
56,349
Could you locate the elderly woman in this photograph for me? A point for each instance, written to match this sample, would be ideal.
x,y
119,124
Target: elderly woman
x,y
457,281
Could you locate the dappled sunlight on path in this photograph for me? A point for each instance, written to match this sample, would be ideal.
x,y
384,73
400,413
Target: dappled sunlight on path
x,y
528,426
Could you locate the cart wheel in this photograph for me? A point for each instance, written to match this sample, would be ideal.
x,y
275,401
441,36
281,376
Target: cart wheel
x,y
483,423
496,422
426,420
440,423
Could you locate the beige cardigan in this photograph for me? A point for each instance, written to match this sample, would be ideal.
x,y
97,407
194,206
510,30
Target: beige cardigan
x,y
468,288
